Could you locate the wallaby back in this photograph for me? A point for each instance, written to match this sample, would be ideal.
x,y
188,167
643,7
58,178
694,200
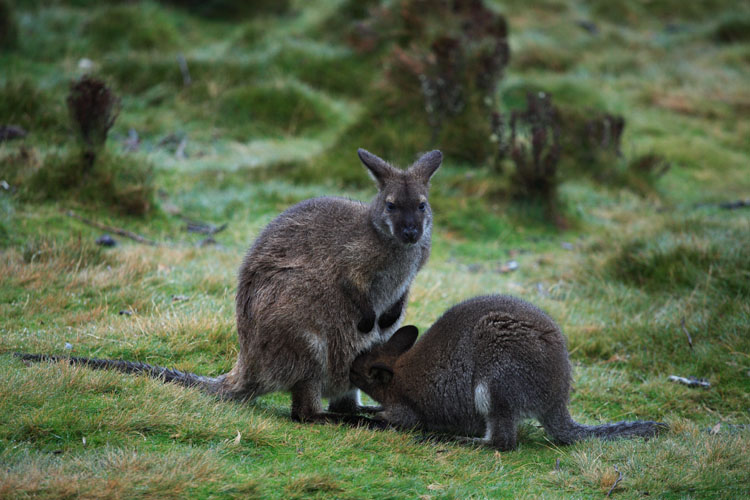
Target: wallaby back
x,y
484,365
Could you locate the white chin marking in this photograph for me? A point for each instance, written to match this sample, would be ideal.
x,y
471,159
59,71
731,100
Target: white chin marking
x,y
390,226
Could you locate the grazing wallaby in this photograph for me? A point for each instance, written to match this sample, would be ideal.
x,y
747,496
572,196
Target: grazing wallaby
x,y
324,281
484,365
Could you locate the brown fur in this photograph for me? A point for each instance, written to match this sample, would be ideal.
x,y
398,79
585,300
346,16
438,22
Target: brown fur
x,y
484,365
317,278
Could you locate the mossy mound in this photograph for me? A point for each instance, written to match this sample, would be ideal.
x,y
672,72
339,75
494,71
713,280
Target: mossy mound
x,y
141,26
252,111
121,182
675,263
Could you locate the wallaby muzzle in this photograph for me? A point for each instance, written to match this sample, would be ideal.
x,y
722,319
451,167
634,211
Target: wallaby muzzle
x,y
410,235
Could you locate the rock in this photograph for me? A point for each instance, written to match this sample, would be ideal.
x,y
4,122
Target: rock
x,y
106,240
10,132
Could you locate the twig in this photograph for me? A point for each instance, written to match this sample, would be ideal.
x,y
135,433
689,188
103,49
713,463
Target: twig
x,y
186,80
180,151
617,481
687,333
122,232
196,226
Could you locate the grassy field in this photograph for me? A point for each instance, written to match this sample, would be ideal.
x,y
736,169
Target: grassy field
x,y
641,267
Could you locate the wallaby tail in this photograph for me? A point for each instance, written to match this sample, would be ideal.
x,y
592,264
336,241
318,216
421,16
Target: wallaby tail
x,y
209,384
566,430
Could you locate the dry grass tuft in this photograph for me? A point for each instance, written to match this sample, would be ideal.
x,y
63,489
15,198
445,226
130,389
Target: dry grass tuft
x,y
111,473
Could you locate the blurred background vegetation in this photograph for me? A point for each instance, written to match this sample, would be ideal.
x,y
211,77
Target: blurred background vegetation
x,y
597,164
566,92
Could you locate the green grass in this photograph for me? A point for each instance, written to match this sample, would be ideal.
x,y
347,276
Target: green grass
x,y
643,263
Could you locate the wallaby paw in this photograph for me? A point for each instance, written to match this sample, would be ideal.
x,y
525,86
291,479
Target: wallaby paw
x,y
366,324
386,321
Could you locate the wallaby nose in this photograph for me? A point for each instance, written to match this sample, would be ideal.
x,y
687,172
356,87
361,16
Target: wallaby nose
x,y
410,234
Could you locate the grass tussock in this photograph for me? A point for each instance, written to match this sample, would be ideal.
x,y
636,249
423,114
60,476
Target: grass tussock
x,y
681,260
116,473
124,183
23,103
150,408
75,253
276,111
648,475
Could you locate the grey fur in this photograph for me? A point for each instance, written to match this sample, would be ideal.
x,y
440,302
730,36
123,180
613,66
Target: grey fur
x,y
325,280
482,367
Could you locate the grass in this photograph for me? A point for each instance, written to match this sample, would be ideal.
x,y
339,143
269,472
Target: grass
x,y
642,263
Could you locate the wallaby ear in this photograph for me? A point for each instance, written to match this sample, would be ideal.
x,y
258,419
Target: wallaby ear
x,y
426,165
403,339
382,373
379,169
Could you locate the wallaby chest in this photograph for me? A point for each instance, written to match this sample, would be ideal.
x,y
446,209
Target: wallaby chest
x,y
393,279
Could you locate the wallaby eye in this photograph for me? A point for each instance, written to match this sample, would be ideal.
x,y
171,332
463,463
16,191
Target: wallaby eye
x,y
422,206
390,206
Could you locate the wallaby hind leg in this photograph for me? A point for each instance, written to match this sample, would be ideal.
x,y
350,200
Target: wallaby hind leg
x,y
306,400
501,432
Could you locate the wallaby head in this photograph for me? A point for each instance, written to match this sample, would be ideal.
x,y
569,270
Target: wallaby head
x,y
401,210
372,371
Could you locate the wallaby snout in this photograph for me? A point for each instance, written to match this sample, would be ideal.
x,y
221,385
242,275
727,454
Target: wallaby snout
x,y
410,234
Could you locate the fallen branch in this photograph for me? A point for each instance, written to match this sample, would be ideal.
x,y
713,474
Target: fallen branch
x,y
617,481
690,381
731,205
726,205
122,232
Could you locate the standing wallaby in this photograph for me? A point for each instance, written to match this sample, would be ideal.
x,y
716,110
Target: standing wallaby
x,y
324,281
484,365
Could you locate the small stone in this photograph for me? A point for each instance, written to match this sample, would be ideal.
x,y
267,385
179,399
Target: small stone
x,y
474,268
566,245
106,240
588,26
9,132
85,64
509,266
